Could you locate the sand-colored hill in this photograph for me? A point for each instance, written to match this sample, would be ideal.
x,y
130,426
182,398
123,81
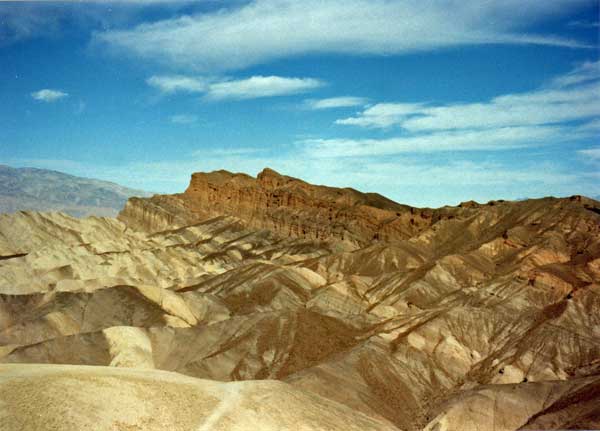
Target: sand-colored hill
x,y
481,316
120,399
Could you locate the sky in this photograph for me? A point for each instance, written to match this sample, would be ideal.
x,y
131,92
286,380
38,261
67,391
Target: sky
x,y
428,102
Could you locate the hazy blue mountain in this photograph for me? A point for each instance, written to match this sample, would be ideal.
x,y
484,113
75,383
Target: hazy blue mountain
x,y
45,190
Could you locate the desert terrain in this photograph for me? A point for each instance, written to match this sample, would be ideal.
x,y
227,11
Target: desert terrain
x,y
269,303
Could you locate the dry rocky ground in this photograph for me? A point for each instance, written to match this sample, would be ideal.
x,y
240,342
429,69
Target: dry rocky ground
x,y
270,303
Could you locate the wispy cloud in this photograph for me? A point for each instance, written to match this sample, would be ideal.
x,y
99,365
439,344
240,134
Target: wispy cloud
x,y
178,83
382,115
497,139
23,21
261,86
255,32
584,24
26,19
183,119
591,153
585,72
335,102
48,95
234,89
565,110
571,97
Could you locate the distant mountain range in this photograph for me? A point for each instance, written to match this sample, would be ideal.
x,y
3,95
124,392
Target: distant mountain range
x,y
46,190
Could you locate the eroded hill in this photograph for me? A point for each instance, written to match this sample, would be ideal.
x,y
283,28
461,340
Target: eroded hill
x,y
375,315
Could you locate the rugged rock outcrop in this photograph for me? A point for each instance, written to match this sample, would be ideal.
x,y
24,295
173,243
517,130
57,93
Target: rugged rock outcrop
x,y
286,205
485,316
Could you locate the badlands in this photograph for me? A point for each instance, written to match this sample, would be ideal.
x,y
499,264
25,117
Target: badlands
x,y
272,304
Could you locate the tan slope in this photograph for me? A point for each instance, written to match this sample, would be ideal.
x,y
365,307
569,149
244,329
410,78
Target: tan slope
x,y
569,404
260,345
101,398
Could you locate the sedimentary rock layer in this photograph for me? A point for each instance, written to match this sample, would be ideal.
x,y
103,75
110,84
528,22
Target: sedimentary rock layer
x,y
286,205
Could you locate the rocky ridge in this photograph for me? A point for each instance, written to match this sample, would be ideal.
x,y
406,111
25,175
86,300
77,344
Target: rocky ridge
x,y
286,205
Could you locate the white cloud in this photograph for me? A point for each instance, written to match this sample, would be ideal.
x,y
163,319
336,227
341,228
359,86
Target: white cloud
x,y
177,83
587,71
183,119
48,95
261,86
335,102
584,24
238,36
591,153
382,115
465,140
544,107
571,97
467,173
234,89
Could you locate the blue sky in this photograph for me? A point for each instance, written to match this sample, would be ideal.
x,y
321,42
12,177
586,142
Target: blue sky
x,y
428,102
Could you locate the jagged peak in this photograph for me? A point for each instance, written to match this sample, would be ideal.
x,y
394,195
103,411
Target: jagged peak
x,y
268,172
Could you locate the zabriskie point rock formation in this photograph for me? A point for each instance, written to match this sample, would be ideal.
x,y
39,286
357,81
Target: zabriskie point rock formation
x,y
273,304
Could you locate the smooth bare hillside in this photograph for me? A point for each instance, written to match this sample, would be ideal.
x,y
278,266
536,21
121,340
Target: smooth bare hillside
x,y
103,398
375,315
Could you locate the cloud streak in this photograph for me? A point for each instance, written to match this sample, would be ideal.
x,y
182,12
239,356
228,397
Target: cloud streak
x,y
571,97
585,72
47,95
565,110
260,31
591,153
234,89
382,115
584,24
178,84
261,86
183,119
505,138
335,102
26,19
